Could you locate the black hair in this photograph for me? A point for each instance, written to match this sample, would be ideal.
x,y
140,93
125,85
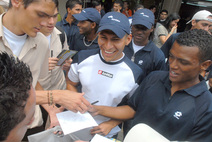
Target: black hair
x,y
164,10
197,38
28,2
138,6
71,3
152,6
120,3
95,3
169,19
15,83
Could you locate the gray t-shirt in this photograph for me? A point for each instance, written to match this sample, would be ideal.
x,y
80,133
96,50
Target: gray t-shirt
x,y
159,31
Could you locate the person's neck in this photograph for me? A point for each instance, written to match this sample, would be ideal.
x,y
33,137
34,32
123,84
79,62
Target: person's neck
x,y
46,34
9,21
180,86
70,19
144,43
91,36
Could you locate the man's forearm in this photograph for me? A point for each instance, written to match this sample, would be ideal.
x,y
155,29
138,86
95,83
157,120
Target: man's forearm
x,y
120,113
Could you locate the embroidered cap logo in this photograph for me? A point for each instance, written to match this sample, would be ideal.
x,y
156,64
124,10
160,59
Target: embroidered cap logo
x,y
113,19
144,15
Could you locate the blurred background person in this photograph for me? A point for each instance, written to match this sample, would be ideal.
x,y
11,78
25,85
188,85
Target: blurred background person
x,y
164,30
126,11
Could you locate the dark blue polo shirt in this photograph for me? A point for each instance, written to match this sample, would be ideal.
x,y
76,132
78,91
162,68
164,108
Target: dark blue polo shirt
x,y
79,43
149,58
70,30
187,115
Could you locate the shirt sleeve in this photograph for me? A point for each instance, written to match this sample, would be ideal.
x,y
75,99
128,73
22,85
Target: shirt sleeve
x,y
73,74
203,129
161,31
136,98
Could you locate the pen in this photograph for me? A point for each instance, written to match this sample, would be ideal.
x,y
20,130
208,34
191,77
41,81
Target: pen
x,y
51,56
51,53
94,102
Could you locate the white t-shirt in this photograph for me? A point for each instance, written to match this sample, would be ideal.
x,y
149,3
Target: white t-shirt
x,y
106,82
49,39
136,47
16,42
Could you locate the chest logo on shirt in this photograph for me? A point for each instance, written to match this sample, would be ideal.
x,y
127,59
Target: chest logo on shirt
x,y
105,74
177,114
140,62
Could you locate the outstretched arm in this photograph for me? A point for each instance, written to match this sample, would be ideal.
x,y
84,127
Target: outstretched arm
x,y
120,113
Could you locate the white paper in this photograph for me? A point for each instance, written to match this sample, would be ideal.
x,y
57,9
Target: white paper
x,y
71,122
99,138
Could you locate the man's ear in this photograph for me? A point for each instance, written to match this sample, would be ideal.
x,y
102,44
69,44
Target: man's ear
x,y
152,28
16,3
93,25
69,10
193,23
128,39
205,64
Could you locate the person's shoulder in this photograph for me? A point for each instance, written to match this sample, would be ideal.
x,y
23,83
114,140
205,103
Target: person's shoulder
x,y
85,54
155,50
158,75
39,38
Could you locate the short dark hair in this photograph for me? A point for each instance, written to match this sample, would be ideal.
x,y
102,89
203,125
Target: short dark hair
x,y
164,10
15,83
119,2
152,6
28,2
138,6
200,39
71,3
95,3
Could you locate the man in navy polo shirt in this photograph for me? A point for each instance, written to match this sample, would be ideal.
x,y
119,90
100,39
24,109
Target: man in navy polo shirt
x,y
88,23
142,51
69,23
106,74
177,103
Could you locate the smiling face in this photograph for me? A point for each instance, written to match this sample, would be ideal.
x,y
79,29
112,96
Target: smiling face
x,y
29,20
17,133
85,27
184,65
140,34
47,29
111,45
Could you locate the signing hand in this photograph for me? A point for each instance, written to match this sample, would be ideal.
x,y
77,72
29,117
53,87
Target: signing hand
x,y
103,128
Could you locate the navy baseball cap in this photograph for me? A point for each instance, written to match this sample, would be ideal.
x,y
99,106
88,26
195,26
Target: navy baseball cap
x,y
143,17
88,14
116,22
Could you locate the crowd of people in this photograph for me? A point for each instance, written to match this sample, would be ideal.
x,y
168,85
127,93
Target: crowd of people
x,y
159,81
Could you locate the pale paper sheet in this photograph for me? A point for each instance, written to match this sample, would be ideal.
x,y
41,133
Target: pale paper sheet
x,y
99,138
71,122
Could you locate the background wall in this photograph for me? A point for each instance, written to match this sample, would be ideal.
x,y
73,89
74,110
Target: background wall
x,y
62,7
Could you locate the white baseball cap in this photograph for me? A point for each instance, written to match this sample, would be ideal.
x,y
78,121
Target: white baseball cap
x,y
202,15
